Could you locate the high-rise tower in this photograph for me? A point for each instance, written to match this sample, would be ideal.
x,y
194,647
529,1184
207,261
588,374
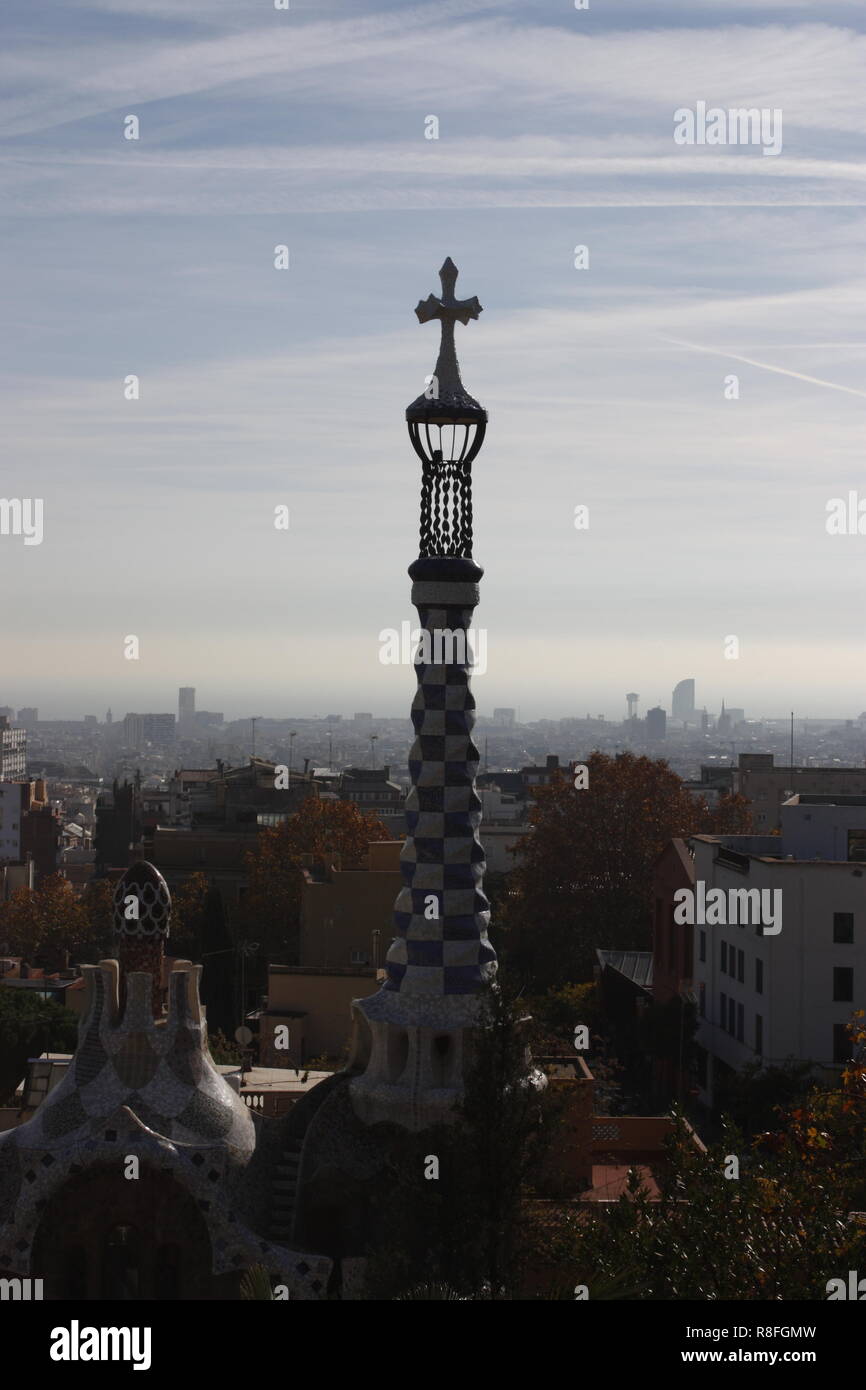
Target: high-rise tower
x,y
683,702
186,707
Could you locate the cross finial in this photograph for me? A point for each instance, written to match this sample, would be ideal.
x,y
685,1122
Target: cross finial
x,y
447,308
446,390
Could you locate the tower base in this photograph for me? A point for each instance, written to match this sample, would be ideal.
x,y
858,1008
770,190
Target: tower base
x,y
413,1051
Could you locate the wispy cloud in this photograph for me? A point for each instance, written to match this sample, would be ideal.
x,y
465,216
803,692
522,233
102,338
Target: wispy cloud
x,y
767,366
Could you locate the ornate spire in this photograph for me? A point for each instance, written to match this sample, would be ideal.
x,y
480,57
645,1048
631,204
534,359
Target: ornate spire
x,y
440,958
446,426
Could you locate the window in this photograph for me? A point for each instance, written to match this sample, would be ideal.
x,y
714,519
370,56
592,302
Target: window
x,y
741,1022
723,1009
702,946
841,1043
759,977
759,1034
843,928
702,1000
731,1019
843,984
741,966
724,951
857,846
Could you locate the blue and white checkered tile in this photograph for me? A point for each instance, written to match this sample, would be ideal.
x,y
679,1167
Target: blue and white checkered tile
x,y
442,857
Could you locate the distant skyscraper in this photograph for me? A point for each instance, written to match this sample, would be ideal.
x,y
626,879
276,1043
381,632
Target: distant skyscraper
x,y
505,717
656,723
632,699
28,717
683,702
186,705
108,715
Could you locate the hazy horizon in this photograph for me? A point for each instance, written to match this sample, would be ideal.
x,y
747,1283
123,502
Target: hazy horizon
x,y
261,387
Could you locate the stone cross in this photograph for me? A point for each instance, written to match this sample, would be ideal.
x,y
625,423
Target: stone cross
x,y
449,311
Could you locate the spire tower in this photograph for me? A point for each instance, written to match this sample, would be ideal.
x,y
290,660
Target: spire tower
x,y
410,1036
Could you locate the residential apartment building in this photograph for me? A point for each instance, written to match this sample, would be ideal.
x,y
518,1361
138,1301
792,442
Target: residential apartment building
x,y
347,915
13,751
139,729
372,790
10,821
308,1012
766,992
29,827
768,787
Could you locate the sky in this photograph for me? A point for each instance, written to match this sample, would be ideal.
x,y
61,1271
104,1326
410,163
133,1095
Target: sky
x,y
607,387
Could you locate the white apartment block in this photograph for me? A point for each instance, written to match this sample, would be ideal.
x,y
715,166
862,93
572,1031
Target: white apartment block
x,y
768,997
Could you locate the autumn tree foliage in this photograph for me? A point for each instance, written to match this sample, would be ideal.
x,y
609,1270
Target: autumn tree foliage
x,y
97,906
321,832
187,913
780,1224
584,874
825,1132
768,1231
52,926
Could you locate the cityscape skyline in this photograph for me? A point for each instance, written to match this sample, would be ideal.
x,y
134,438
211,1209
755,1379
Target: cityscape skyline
x,y
613,709
707,513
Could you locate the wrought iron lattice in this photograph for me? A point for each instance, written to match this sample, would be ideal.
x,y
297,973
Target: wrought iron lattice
x,y
446,509
447,428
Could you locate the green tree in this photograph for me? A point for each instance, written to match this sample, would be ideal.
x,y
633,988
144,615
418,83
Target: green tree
x,y
29,1026
755,1095
463,1230
557,1013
